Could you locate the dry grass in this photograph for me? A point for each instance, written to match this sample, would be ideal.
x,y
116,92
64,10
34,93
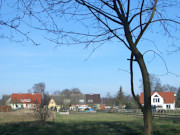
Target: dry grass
x,y
20,116
17,116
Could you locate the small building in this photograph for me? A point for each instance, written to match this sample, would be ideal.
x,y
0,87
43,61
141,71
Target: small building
x,y
55,101
93,100
25,101
161,100
77,99
52,104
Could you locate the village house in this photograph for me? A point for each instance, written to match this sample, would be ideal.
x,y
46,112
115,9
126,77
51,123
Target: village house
x,y
161,100
56,101
25,101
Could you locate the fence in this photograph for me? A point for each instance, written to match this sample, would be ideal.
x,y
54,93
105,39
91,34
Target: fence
x,y
170,114
5,108
155,115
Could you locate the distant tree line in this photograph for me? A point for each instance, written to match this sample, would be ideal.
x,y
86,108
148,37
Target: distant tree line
x,y
40,88
120,100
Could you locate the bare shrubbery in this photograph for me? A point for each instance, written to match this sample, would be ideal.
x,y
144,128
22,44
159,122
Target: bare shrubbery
x,y
42,114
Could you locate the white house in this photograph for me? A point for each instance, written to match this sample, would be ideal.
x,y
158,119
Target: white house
x,y
161,100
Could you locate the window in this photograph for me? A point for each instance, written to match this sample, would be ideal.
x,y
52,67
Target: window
x,y
51,102
156,100
168,106
29,106
81,101
28,100
22,100
90,100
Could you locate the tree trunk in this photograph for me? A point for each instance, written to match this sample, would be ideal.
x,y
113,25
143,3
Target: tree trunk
x,y
147,96
132,83
146,83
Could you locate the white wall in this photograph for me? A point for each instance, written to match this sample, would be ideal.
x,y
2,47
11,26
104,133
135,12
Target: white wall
x,y
13,106
172,106
161,100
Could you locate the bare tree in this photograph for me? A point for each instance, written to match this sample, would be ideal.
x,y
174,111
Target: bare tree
x,y
109,100
40,88
66,93
156,85
103,20
75,91
57,92
29,91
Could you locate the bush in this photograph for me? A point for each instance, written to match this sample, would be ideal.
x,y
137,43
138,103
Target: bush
x,y
42,114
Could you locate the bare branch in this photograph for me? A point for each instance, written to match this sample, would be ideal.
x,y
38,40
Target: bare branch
x,y
143,30
141,14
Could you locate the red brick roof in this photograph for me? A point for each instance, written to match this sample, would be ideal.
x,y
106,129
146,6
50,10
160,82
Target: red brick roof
x,y
167,96
34,98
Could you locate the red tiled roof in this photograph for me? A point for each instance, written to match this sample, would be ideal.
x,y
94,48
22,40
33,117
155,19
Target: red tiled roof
x,y
167,96
34,98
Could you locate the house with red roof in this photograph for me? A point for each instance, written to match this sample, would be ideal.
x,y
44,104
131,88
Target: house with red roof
x,y
161,100
26,101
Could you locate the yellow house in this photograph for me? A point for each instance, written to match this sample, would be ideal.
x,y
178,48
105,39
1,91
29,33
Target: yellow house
x,y
52,104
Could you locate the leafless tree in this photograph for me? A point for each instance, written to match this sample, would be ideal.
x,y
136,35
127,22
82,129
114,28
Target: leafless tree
x,y
103,20
57,92
157,86
40,88
75,91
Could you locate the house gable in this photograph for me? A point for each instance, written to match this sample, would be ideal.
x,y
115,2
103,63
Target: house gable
x,y
52,103
157,99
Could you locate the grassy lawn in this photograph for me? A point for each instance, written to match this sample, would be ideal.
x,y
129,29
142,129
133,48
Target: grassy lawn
x,y
87,124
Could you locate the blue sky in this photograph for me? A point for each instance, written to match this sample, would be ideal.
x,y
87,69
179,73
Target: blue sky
x,y
66,67
60,67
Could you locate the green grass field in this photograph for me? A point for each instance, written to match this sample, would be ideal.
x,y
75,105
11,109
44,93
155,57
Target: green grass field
x,y
87,124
